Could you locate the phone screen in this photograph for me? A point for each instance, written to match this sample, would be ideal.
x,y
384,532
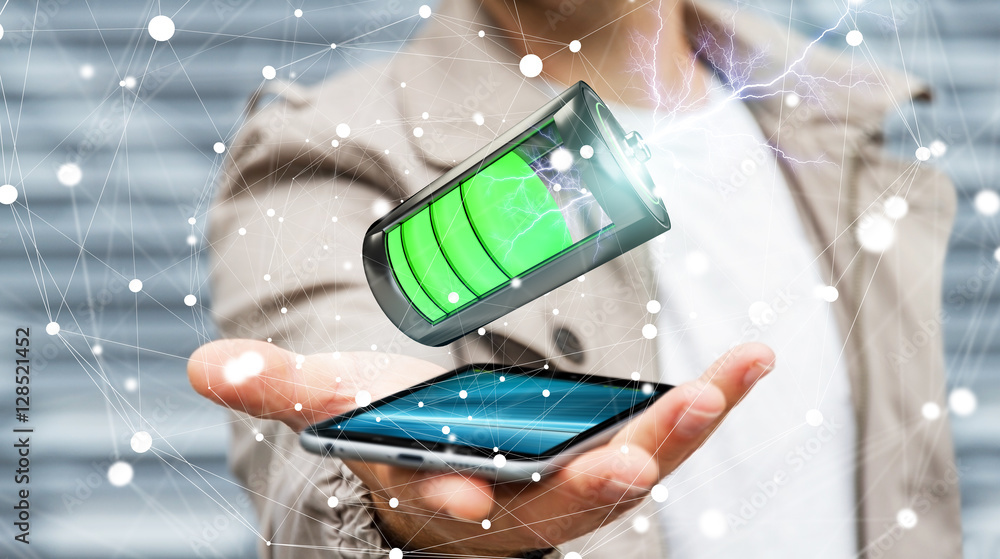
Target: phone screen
x,y
524,414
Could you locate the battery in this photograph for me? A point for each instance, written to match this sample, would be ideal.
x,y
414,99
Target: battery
x,y
559,194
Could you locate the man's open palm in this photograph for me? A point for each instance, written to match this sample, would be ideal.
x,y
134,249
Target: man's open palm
x,y
443,512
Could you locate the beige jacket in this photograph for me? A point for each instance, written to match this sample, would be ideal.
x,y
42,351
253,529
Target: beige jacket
x,y
317,299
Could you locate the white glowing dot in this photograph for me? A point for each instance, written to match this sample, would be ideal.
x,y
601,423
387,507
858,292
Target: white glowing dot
x,y
343,130
446,429
546,393
623,449
161,28
531,65
987,202
463,394
418,132
515,282
130,82
247,365
135,285
635,375
297,12
192,240
499,460
380,207
69,174
640,524
713,524
581,278
424,11
453,297
298,406
649,331
931,411
659,493
242,231
535,476
906,518
922,153
420,404
502,378
555,311
996,254
481,331
268,72
1,32
938,148
192,221
190,300
696,263
97,349
572,555
284,310
120,474
828,293
219,147
332,502
896,207
487,524
482,33
8,194
647,388
259,437
653,306
561,159
854,37
761,313
792,100
394,502
587,151
479,119
52,328
574,46
131,384
962,402
395,553
141,441
363,398
333,46
876,233
814,417
403,85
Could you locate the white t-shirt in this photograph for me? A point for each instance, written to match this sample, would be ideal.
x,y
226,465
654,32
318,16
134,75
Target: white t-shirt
x,y
777,478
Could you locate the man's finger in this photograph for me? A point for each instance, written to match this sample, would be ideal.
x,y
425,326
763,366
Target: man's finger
x,y
682,419
267,381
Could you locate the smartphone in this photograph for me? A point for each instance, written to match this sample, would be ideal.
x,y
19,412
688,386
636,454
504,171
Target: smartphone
x,y
505,423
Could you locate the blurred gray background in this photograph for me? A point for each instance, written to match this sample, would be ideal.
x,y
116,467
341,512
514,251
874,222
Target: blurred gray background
x,y
145,151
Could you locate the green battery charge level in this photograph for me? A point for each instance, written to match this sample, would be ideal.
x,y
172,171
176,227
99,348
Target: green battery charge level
x,y
513,215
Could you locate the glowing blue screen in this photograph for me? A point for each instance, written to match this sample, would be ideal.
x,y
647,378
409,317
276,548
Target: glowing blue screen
x,y
515,413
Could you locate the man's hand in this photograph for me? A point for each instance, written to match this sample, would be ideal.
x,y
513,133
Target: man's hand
x,y
443,512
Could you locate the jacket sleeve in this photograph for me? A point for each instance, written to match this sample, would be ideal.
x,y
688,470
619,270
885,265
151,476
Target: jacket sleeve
x,y
285,239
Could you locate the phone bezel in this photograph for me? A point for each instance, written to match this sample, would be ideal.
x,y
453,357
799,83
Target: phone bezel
x,y
325,430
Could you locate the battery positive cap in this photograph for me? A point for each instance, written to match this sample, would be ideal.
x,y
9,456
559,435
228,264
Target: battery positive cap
x,y
637,146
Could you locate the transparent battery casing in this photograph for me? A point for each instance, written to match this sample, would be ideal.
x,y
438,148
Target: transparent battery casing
x,y
559,194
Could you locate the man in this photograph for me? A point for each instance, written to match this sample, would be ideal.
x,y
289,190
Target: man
x,y
776,197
